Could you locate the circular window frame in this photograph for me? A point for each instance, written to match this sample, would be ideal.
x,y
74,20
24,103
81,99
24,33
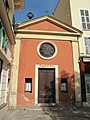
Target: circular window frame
x,y
46,41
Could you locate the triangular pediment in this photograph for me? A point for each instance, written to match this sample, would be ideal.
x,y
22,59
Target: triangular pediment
x,y
46,23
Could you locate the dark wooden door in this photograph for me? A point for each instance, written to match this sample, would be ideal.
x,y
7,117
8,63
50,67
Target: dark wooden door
x,y
46,85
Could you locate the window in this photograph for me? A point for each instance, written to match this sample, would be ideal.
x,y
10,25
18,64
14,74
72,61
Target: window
x,y
4,39
87,44
47,50
28,84
85,19
64,85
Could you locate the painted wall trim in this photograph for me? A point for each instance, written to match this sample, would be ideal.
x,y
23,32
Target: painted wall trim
x,y
14,75
23,31
50,19
76,72
47,37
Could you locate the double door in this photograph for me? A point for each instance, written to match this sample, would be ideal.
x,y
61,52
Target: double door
x,y
46,85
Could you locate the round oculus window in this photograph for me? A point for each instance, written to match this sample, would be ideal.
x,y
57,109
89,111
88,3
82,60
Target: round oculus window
x,y
47,50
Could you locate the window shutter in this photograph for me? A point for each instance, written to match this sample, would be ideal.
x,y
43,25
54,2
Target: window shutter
x,y
6,44
4,39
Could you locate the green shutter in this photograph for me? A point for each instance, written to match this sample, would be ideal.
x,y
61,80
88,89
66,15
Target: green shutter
x,y
3,41
6,44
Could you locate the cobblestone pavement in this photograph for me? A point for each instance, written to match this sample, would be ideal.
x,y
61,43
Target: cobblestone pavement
x,y
48,113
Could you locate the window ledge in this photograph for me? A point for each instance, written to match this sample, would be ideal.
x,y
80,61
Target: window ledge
x,y
85,30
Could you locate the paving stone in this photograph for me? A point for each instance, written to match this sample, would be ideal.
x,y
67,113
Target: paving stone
x,y
48,113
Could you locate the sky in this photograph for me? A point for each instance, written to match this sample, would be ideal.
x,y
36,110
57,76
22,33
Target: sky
x,y
37,7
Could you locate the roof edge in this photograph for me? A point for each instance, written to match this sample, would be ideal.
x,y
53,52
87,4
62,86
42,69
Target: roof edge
x,y
49,18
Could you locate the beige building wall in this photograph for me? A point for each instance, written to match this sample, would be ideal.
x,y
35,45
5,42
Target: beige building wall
x,y
76,72
75,6
14,76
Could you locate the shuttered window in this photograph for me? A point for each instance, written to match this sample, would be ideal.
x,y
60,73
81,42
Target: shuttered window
x,y
85,19
4,39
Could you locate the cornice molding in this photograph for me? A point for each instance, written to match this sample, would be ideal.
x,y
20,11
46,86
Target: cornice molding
x,y
23,31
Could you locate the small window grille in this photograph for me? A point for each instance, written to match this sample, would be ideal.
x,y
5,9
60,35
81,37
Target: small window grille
x,y
64,87
28,84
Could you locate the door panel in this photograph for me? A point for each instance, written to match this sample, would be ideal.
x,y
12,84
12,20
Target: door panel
x,y
46,87
41,82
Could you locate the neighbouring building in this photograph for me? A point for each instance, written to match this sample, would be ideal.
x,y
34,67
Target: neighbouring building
x,y
77,14
7,41
45,62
